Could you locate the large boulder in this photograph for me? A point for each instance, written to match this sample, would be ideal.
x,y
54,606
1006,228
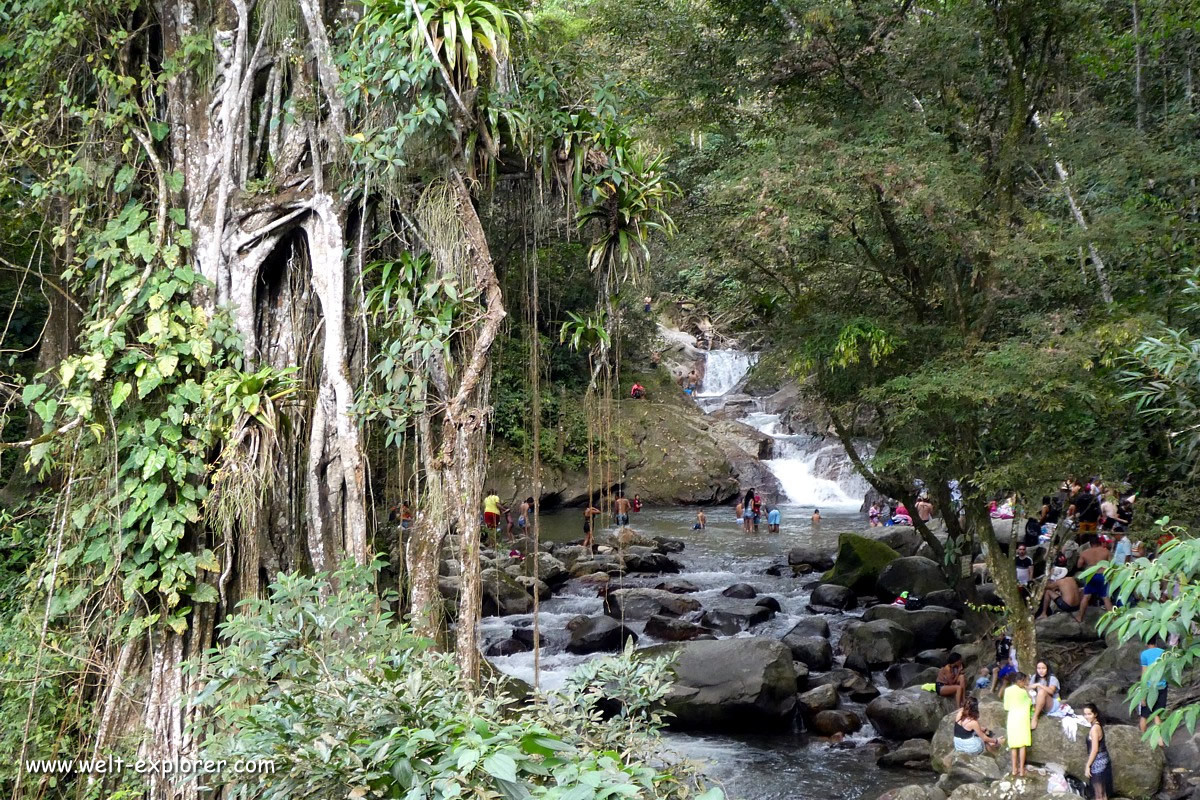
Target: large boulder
x,y
904,539
1137,769
966,769
815,557
811,626
907,714
502,594
912,574
740,591
550,569
678,586
734,616
598,634
1064,628
929,626
879,643
647,559
1106,679
834,596
608,563
913,792
906,674
859,562
639,603
745,683
814,652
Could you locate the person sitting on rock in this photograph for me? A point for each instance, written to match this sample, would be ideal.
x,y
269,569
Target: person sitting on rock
x,y
1063,590
969,735
637,392
1048,689
950,681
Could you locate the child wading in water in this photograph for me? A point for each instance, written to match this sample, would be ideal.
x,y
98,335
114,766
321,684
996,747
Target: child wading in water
x,y
1019,706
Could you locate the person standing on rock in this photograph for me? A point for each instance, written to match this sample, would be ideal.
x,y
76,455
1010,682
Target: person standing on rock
x,y
1152,653
925,509
491,511
1098,769
622,508
950,681
1018,705
774,517
526,512
1097,585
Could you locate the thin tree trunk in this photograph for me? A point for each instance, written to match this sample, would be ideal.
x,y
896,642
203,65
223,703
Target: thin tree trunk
x,y
1138,57
1077,213
1004,574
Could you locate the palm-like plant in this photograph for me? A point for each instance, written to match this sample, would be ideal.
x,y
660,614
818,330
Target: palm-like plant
x,y
462,34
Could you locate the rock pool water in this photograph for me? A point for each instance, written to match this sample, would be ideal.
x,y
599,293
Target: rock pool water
x,y
750,767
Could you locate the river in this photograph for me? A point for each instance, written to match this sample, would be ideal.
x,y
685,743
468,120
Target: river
x,y
750,767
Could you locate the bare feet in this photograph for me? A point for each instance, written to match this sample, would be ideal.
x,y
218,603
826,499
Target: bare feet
x,y
1079,618
1033,724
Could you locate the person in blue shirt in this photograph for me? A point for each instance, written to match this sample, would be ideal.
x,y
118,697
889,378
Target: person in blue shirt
x,y
1123,549
1151,654
773,519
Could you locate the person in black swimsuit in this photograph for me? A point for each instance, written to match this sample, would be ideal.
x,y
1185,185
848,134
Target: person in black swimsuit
x,y
1098,770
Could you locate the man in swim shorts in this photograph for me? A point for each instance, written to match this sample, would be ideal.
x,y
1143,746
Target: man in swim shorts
x,y
622,506
1063,591
1097,585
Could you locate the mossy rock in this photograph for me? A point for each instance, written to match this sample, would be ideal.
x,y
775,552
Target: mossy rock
x,y
859,562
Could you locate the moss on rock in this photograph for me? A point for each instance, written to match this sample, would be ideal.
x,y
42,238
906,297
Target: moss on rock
x,y
859,562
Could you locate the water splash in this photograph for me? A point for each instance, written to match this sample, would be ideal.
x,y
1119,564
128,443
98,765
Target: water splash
x,y
723,369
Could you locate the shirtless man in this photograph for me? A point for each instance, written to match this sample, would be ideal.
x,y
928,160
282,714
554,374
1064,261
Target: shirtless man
x,y
622,507
589,514
925,509
701,521
1097,585
1063,590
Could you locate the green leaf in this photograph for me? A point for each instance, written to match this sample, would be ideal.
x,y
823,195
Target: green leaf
x,y
32,392
149,382
205,593
119,394
501,766
159,130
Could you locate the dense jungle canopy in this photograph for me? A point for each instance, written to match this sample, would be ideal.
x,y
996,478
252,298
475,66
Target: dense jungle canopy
x,y
270,268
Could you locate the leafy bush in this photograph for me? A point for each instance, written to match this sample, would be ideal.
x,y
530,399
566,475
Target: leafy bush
x,y
1167,593
345,701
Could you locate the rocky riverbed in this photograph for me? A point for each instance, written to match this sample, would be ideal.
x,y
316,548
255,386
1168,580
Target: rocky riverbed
x,y
789,657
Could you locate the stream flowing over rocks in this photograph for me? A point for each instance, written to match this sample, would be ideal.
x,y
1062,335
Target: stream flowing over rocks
x,y
794,676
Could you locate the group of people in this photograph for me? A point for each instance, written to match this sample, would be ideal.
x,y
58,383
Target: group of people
x,y
890,512
1026,699
749,513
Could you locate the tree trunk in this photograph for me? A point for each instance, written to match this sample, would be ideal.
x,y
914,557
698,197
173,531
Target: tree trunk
x,y
1004,574
1138,58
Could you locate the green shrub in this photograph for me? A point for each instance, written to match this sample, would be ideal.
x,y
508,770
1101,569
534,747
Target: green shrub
x,y
324,683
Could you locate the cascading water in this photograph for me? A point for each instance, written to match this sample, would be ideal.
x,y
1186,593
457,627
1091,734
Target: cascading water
x,y
812,471
723,369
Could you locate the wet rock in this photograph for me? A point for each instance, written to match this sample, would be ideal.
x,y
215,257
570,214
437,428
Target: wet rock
x,y
637,603
801,675
678,586
815,557
858,664
912,574
929,626
1105,679
503,595
879,643
735,616
741,591
913,792
912,753
666,545
811,626
622,538
532,585
607,563
815,652
551,570
670,629
769,602
746,683
599,634
507,647
907,713
644,559
862,691
834,596
828,723
859,562
822,698
904,675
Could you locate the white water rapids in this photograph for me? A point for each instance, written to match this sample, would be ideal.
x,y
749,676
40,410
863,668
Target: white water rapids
x,y
812,471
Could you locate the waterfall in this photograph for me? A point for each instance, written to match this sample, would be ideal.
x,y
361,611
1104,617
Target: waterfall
x,y
722,371
811,471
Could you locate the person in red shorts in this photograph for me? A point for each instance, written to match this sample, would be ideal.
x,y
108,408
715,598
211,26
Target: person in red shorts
x,y
491,511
